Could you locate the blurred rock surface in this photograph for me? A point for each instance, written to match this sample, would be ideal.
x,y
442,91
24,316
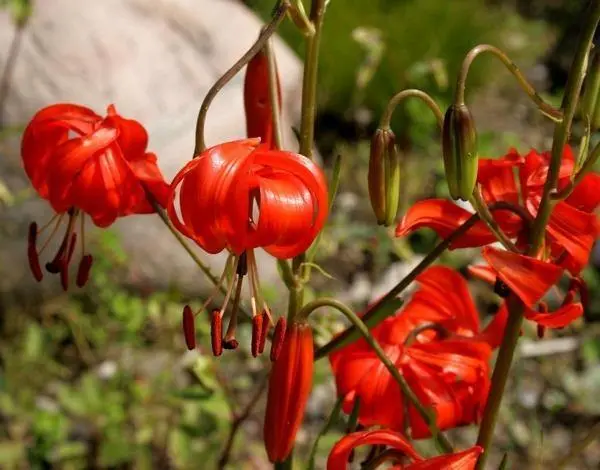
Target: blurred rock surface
x,y
155,59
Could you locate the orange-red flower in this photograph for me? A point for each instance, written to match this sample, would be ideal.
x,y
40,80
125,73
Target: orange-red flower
x,y
436,343
573,226
257,101
83,163
289,386
240,196
338,457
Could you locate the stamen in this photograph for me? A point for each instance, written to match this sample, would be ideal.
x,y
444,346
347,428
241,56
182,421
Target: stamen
x,y
32,255
47,224
229,341
255,281
64,263
242,266
278,337
51,236
215,290
189,328
55,266
541,330
266,324
216,332
257,328
83,271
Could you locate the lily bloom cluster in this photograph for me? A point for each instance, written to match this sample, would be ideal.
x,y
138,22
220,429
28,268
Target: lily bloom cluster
x,y
572,229
438,346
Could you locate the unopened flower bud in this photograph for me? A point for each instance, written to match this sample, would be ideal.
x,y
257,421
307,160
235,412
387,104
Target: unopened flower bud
x,y
459,147
384,176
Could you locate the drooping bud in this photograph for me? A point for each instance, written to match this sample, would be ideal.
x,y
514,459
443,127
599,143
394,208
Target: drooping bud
x,y
384,176
257,326
32,254
216,332
289,386
278,336
189,328
83,271
257,103
459,147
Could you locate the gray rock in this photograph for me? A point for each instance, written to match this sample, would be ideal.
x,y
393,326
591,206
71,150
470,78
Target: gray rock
x,y
155,59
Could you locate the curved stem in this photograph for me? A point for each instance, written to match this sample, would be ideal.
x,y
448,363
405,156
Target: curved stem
x,y
264,36
384,122
371,316
412,336
515,306
545,108
481,208
427,414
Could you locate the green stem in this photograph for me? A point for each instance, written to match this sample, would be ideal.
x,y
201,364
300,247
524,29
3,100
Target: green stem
x,y
373,310
427,414
515,307
384,122
481,208
324,430
544,107
264,36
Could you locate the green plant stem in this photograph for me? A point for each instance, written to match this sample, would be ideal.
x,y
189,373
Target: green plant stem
x,y
587,166
427,414
264,36
544,107
592,436
307,128
481,208
410,277
324,430
384,122
515,307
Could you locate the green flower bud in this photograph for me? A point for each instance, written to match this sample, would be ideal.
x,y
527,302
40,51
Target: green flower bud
x,y
459,147
384,176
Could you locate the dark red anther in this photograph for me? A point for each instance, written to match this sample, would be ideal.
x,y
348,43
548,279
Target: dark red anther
x,y
266,324
83,271
278,337
257,322
216,332
230,343
55,266
580,285
32,254
541,330
189,328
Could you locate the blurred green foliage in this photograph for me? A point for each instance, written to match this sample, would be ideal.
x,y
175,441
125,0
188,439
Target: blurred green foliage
x,y
371,50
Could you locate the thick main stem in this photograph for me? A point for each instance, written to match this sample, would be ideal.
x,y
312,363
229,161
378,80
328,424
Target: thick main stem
x,y
516,308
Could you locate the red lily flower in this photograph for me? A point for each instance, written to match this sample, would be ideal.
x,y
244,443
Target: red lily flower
x,y
289,386
338,457
240,196
436,343
257,101
572,229
85,164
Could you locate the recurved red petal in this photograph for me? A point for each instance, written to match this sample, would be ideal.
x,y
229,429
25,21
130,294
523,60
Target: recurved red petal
x,y
497,178
338,457
560,318
465,460
574,231
444,217
586,197
529,278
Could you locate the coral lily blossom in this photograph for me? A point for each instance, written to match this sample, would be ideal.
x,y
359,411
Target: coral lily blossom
x,y
436,343
238,196
572,229
401,451
82,163
289,386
